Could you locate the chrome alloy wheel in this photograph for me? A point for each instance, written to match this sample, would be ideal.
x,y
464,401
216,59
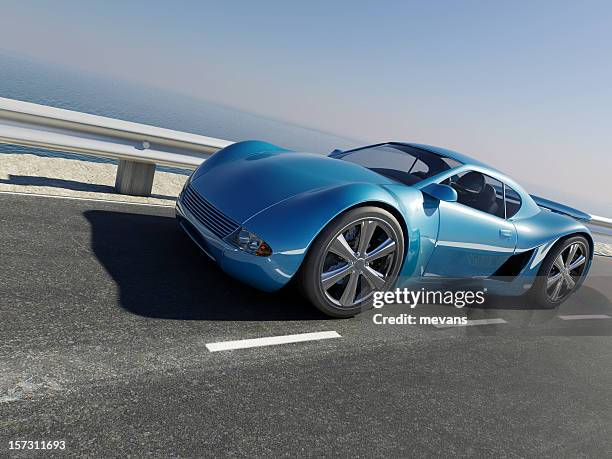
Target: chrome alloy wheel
x,y
566,271
358,260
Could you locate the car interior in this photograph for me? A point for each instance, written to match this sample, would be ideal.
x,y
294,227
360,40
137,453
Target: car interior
x,y
474,191
425,165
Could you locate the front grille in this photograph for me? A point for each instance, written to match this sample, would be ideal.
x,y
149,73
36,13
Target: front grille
x,y
207,214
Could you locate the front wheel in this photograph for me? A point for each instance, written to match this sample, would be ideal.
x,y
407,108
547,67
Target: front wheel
x,y
562,272
358,253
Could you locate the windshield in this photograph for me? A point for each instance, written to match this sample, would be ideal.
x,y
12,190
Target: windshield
x,y
402,163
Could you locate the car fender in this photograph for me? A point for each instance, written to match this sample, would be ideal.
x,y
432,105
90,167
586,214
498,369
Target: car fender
x,y
422,218
542,231
290,226
303,217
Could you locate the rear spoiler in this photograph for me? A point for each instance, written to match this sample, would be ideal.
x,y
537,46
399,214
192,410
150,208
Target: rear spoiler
x,y
561,208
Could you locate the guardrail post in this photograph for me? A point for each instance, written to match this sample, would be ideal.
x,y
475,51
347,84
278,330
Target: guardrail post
x,y
134,178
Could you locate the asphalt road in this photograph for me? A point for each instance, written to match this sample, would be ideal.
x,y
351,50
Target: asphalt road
x,y
106,310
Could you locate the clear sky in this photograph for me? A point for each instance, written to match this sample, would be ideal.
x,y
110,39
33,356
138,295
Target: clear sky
x,y
524,86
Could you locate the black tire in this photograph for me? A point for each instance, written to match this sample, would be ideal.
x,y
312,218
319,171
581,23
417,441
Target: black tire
x,y
310,275
541,293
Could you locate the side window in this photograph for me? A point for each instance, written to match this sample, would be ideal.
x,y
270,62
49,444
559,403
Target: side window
x,y
498,187
513,202
480,192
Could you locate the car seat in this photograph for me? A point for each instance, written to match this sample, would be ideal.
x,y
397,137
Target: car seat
x,y
486,200
470,184
473,191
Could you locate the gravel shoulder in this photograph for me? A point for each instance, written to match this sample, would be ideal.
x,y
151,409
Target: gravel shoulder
x,y
27,173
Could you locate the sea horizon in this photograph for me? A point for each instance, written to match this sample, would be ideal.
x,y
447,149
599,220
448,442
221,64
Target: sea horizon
x,y
55,86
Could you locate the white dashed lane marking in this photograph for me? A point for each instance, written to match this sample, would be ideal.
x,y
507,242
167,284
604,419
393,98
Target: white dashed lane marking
x,y
270,341
585,317
473,322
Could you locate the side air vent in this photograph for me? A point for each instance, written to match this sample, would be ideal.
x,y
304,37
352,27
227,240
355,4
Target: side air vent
x,y
513,266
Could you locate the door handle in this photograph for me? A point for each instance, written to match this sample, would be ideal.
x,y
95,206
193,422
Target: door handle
x,y
505,233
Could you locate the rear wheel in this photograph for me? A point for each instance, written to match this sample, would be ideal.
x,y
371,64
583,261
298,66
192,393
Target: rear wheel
x,y
562,272
360,252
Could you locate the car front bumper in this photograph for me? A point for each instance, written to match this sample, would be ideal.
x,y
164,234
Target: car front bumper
x,y
264,273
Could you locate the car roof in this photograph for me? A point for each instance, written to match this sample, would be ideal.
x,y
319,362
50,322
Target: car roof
x,y
465,159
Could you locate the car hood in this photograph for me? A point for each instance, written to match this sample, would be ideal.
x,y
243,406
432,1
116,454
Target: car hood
x,y
243,187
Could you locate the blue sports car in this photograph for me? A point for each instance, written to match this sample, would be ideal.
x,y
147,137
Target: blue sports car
x,y
379,217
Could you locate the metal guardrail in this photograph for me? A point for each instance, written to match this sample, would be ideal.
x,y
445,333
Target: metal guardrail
x,y
138,147
601,226
602,222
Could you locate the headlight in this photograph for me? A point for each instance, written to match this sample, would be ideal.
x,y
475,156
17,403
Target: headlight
x,y
250,242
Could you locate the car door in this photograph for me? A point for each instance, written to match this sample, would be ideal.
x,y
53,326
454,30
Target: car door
x,y
472,242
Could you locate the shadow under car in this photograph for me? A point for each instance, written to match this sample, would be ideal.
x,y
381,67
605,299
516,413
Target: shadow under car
x,y
161,273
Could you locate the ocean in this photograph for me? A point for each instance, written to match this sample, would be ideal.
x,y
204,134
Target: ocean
x,y
46,84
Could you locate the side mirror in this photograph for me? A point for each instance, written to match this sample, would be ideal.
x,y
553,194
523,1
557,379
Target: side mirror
x,y
441,192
